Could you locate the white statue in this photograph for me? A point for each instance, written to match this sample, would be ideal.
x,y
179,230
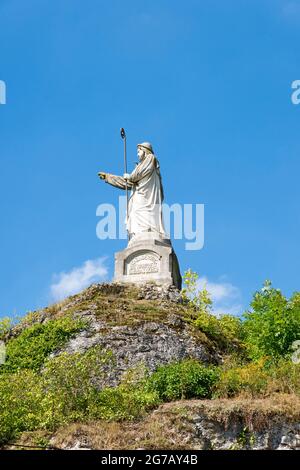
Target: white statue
x,y
145,203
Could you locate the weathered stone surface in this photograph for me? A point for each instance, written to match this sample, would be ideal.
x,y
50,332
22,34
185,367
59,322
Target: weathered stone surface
x,y
225,424
215,436
148,258
164,293
142,325
148,343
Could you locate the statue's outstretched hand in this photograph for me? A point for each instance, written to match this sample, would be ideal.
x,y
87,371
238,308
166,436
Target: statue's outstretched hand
x,y
102,175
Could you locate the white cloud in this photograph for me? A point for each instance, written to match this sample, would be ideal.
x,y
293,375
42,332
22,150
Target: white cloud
x,y
72,282
225,296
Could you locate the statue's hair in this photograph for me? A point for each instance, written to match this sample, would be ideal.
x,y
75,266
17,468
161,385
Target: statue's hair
x,y
145,150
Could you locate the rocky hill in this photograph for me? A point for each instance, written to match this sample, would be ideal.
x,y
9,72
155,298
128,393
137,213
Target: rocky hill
x,y
146,325
149,326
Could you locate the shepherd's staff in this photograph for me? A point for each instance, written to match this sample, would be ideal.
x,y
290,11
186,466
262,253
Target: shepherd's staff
x,y
123,135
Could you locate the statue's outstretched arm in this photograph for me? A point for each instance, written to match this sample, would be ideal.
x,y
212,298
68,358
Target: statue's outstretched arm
x,y
117,181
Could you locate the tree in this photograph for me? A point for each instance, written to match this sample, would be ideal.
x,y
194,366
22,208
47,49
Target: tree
x,y
273,324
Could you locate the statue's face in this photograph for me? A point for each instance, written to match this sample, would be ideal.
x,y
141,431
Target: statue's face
x,y
140,153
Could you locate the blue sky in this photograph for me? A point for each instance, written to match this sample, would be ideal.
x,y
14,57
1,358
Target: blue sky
x,y
207,82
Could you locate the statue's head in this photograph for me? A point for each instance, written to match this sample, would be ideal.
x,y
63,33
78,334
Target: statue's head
x,y
143,150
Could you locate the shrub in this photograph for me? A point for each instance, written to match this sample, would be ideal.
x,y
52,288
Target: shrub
x,y
71,382
64,392
21,397
124,402
5,325
225,330
186,379
284,377
249,379
198,300
273,324
131,399
30,349
258,378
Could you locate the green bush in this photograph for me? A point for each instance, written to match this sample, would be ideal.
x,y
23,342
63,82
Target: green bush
x,y
69,390
258,378
31,347
124,402
71,382
284,377
65,391
186,379
226,330
129,400
21,403
273,324
242,379
5,325
198,300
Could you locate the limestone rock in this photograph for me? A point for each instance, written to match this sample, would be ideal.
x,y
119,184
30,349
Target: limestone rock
x,y
141,325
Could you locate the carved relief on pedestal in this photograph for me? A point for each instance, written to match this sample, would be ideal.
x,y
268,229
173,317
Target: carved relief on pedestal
x,y
142,262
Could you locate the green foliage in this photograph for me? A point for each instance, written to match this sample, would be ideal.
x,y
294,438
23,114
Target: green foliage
x,y
71,383
124,402
197,299
273,324
284,377
66,391
236,379
129,400
29,319
186,379
5,325
39,392
258,378
226,331
41,442
269,329
21,399
30,349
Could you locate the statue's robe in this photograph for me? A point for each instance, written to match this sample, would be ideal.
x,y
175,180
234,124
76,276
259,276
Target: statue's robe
x,y
145,203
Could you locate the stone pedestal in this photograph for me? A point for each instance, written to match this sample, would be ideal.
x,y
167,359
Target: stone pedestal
x,y
148,258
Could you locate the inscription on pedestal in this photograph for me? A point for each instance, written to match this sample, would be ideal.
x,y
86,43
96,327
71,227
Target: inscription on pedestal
x,y
143,263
